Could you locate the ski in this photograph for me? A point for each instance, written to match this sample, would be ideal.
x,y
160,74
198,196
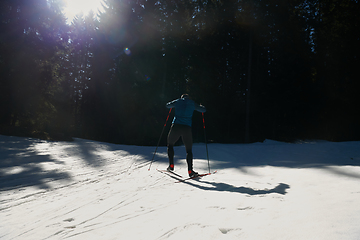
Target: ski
x,y
200,175
170,172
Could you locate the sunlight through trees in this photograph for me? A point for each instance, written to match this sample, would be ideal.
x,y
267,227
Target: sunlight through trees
x,y
107,75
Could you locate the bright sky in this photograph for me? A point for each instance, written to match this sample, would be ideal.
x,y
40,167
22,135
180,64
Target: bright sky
x,y
74,7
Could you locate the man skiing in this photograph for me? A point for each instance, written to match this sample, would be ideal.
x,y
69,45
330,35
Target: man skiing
x,y
181,127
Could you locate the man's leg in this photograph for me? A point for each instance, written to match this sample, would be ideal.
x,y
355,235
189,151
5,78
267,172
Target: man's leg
x,y
189,160
170,151
188,141
173,136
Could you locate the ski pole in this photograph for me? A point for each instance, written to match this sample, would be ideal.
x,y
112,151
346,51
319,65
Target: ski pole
x,y
207,152
159,139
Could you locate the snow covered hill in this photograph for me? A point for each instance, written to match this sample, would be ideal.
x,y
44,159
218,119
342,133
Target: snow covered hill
x,y
92,190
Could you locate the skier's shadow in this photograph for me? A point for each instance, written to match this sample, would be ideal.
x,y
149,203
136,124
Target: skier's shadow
x,y
223,187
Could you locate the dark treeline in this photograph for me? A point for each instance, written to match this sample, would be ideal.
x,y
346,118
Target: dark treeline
x,y
279,69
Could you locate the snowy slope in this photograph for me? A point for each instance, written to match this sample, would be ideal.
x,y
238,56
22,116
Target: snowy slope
x,y
92,190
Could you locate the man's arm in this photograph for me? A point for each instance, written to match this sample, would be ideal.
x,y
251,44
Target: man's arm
x,y
171,104
200,108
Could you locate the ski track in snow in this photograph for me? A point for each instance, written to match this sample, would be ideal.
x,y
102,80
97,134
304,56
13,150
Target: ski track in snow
x,y
92,190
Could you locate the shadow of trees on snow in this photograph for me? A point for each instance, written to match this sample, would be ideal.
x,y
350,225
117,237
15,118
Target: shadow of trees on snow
x,y
21,165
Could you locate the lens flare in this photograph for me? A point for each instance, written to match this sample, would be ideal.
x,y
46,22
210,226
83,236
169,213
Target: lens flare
x,y
127,51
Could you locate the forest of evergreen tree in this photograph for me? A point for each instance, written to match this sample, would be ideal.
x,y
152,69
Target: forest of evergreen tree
x,y
264,69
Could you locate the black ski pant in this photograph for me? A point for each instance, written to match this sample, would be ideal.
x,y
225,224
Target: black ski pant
x,y
183,131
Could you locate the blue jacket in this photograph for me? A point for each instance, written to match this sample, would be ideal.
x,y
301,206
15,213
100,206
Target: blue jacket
x,y
184,109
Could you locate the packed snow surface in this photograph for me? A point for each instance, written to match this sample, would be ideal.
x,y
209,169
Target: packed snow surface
x,y
92,190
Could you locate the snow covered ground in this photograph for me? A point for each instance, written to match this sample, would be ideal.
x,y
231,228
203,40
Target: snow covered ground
x,y
92,190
